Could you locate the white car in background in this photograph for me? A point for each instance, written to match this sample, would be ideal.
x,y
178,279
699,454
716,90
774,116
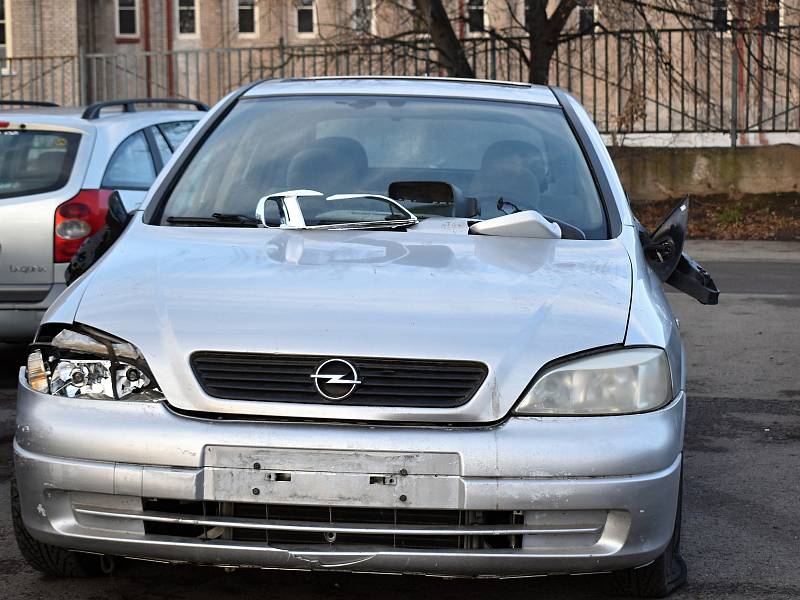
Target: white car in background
x,y
58,167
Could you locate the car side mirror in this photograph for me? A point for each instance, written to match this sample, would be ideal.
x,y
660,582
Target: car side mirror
x,y
663,247
663,250
90,251
118,216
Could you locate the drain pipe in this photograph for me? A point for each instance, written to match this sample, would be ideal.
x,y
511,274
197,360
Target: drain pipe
x,y
169,4
146,36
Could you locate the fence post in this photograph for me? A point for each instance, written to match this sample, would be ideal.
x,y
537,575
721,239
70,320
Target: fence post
x,y
83,77
427,59
493,60
734,89
282,57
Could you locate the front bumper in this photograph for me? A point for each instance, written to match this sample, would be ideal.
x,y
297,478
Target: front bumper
x,y
586,494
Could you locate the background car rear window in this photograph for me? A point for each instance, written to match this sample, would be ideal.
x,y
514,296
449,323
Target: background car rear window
x,y
35,162
176,131
131,166
498,152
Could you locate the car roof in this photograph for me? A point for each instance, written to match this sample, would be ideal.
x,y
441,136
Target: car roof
x,y
73,117
407,86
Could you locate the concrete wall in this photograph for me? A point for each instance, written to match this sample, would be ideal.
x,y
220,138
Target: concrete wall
x,y
659,173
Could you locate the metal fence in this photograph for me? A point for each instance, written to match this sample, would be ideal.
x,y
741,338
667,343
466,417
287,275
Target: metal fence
x,y
651,81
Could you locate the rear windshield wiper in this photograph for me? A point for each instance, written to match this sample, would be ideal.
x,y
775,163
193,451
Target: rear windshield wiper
x,y
224,219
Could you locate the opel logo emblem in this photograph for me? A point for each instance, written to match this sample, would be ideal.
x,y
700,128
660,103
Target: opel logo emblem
x,y
335,379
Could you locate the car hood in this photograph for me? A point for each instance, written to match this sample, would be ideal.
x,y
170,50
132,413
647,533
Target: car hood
x,y
513,304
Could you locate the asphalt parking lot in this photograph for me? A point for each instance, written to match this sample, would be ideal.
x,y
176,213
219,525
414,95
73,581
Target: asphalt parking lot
x,y
741,536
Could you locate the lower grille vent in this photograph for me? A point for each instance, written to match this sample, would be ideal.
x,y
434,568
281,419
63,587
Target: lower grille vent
x,y
292,526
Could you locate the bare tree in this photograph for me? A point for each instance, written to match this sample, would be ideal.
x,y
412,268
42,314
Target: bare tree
x,y
645,82
544,33
452,55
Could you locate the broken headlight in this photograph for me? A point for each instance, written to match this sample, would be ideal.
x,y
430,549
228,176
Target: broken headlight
x,y
88,364
627,381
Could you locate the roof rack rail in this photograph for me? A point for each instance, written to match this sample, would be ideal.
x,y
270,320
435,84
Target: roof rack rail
x,y
27,103
93,110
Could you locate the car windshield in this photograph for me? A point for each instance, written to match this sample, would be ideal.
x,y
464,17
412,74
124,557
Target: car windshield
x,y
507,156
35,162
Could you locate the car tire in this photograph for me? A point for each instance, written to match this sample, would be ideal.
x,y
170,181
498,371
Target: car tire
x,y
665,574
52,560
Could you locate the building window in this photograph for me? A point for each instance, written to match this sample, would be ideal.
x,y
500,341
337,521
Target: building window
x,y
587,16
362,16
187,17
305,16
476,13
248,17
127,18
773,15
719,14
3,48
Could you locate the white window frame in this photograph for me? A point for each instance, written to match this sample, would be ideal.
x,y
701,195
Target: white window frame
x,y
136,13
372,20
781,12
187,36
247,34
477,32
314,25
596,14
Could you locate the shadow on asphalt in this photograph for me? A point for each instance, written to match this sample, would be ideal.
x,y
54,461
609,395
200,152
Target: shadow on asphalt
x,y
201,583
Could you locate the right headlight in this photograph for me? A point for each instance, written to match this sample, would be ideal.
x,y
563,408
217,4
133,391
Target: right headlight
x,y
625,381
90,364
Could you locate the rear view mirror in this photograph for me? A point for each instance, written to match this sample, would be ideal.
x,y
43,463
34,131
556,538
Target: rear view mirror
x,y
117,219
441,198
664,253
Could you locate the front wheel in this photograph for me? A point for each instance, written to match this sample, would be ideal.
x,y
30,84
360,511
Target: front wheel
x,y
665,574
52,560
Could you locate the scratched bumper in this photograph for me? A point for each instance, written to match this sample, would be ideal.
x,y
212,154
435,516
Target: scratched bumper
x,y
87,469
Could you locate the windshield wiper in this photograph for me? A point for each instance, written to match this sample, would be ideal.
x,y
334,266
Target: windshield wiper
x,y
502,204
568,231
224,219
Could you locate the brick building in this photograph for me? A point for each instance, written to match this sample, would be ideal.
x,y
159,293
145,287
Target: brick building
x,y
60,27
76,51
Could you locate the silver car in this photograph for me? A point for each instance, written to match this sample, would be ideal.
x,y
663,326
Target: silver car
x,y
58,167
376,325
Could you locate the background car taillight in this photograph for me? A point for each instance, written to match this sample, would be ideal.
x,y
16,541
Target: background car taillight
x,y
77,219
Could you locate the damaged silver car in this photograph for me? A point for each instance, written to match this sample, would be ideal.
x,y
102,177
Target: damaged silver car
x,y
374,325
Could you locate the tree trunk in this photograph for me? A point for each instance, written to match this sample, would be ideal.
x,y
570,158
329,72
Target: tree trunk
x,y
541,55
538,34
444,38
543,34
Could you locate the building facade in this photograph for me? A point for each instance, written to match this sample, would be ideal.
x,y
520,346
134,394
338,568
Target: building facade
x,y
635,68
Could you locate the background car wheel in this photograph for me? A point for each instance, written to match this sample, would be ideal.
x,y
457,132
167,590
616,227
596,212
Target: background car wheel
x,y
665,574
53,560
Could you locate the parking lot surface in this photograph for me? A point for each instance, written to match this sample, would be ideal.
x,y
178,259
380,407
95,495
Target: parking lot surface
x,y
741,531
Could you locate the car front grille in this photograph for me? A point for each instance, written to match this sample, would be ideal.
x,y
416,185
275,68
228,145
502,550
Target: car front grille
x,y
383,381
